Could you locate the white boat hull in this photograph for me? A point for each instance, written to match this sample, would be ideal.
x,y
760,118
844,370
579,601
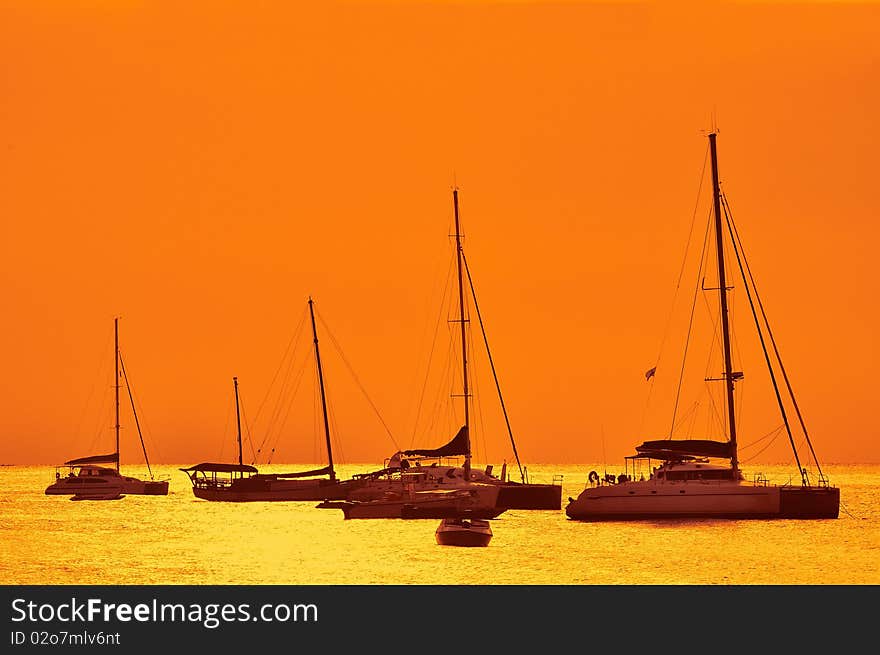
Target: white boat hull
x,y
702,499
478,501
126,485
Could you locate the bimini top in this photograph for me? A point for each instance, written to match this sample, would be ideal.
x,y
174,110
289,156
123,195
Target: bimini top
x,y
458,446
111,458
212,467
668,449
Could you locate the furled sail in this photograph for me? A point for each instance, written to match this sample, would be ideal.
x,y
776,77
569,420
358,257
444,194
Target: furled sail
x,y
110,458
675,448
458,446
301,474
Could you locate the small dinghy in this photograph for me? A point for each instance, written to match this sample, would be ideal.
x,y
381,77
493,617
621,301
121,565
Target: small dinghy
x,y
463,532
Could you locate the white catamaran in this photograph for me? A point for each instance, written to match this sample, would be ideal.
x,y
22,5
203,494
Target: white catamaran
x,y
693,480
85,476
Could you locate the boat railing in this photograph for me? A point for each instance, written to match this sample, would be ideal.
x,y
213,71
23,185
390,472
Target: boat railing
x,y
595,480
760,480
212,482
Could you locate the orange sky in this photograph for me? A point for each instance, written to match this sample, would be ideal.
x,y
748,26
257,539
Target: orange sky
x,y
200,169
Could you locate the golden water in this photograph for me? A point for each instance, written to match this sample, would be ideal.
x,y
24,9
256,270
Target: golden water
x,y
178,539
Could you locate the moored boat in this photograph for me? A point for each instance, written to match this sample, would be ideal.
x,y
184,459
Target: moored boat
x,y
463,532
84,475
450,465
476,501
244,483
702,478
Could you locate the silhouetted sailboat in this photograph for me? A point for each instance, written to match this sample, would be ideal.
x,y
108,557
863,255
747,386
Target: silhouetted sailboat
x,y
241,482
433,464
688,484
86,478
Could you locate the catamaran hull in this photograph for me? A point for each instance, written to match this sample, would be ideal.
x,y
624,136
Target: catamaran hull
x,y
480,501
129,486
648,501
512,495
407,510
809,502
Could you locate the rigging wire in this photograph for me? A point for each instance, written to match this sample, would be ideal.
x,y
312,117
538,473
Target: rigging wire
x,y
742,269
443,404
747,270
690,326
103,407
103,362
492,365
134,413
477,403
775,433
677,286
289,357
229,407
431,354
298,373
356,379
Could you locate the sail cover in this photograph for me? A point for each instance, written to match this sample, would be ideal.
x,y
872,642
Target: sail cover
x,y
460,445
304,474
111,458
674,448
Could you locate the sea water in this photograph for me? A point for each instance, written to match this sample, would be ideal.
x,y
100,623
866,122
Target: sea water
x,y
179,539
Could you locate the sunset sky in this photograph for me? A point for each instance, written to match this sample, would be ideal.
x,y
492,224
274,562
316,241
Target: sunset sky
x,y
199,169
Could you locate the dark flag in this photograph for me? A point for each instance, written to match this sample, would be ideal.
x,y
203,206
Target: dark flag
x,y
650,373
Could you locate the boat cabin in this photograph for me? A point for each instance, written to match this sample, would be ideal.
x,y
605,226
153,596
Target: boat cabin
x,y
695,470
88,474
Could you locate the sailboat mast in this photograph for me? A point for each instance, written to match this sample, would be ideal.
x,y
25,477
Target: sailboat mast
x,y
323,396
722,283
464,370
116,350
237,419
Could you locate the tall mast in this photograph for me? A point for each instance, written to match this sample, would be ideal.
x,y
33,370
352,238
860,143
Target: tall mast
x,y
116,349
722,283
464,371
323,397
237,419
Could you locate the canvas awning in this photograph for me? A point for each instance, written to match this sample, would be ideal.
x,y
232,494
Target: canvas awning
x,y
213,467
